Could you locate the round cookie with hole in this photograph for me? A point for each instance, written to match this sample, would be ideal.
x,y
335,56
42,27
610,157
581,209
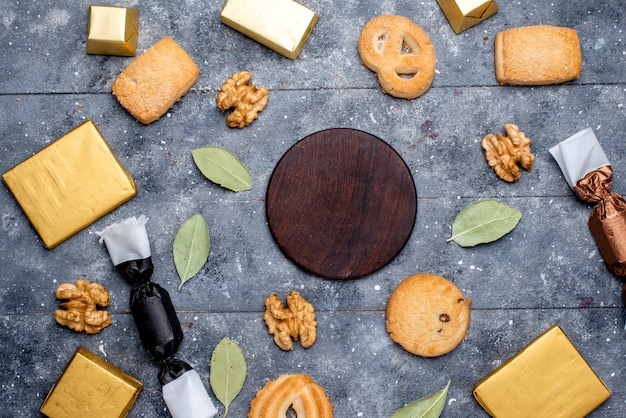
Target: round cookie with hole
x,y
428,315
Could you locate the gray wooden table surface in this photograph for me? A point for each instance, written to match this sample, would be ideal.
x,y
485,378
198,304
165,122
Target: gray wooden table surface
x,y
546,271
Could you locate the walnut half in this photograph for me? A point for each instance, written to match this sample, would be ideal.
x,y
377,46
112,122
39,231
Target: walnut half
x,y
81,313
245,98
504,153
297,321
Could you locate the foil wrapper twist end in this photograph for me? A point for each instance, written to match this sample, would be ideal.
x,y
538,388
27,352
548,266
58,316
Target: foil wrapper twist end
x,y
607,220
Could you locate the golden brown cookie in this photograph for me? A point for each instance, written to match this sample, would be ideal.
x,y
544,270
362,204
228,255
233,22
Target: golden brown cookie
x,y
401,54
428,315
155,81
537,55
296,391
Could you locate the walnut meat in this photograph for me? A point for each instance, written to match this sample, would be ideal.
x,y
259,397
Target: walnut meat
x,y
245,98
297,321
81,312
504,153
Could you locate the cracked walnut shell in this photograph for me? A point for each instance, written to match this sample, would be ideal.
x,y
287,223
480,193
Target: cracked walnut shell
x,y
80,312
245,98
297,321
504,153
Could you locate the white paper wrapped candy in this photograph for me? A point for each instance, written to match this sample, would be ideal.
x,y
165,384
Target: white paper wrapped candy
x,y
183,391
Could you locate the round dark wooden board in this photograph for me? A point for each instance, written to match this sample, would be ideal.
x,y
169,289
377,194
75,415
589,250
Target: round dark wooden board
x,y
341,203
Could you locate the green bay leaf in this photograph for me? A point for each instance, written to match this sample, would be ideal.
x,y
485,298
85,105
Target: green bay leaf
x,y
228,372
429,406
483,221
222,167
191,247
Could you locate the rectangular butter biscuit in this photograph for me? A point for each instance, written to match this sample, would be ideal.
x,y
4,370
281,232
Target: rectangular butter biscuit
x,y
537,55
155,81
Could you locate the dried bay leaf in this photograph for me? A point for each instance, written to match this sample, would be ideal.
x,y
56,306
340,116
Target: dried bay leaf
x,y
222,167
483,221
429,406
191,247
228,372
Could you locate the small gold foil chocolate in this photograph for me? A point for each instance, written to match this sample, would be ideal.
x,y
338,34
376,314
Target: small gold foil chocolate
x,y
112,30
91,387
69,184
548,378
282,25
463,14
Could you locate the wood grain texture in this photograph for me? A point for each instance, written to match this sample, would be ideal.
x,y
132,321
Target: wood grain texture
x,y
341,203
546,271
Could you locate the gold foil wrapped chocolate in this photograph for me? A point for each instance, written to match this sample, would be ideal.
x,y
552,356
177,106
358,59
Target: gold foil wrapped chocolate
x,y
112,30
463,14
282,25
69,184
588,172
547,379
91,387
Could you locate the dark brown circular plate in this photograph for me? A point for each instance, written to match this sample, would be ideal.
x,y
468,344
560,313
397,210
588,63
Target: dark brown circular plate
x,y
341,203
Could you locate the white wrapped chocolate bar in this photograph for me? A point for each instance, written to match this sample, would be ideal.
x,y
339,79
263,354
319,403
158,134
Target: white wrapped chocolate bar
x,y
282,25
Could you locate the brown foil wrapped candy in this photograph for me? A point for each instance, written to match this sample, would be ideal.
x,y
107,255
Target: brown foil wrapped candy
x,y
608,219
588,172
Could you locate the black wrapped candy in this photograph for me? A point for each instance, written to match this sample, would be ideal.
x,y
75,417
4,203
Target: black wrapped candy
x,y
156,320
150,304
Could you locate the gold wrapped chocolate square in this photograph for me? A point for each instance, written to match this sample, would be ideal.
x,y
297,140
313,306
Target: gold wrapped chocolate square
x,y
546,379
282,25
69,184
90,386
588,172
112,30
463,14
